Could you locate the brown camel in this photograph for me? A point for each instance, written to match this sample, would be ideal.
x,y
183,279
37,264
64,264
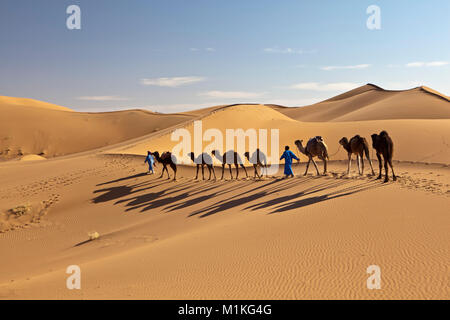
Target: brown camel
x,y
203,160
229,158
315,147
383,144
357,145
258,159
166,159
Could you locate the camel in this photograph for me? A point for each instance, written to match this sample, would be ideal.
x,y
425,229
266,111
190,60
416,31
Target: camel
x,y
203,160
258,159
315,147
166,160
383,144
357,145
229,158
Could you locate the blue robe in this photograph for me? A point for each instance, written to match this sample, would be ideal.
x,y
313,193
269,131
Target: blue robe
x,y
288,155
150,161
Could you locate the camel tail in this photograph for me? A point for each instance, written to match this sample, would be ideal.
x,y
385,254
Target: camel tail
x,y
325,150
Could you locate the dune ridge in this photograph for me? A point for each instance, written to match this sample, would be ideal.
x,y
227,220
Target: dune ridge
x,y
370,102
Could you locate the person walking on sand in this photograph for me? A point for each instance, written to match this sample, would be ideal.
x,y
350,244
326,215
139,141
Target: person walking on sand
x,y
288,155
149,159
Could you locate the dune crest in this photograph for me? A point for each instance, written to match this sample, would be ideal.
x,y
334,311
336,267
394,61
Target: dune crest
x,y
371,102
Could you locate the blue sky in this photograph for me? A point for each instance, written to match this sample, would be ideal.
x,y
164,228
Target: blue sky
x,y
173,56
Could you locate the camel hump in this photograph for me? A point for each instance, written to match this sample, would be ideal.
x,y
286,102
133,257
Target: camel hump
x,y
384,134
166,155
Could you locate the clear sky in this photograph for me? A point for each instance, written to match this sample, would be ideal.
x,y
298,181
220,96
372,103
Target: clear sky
x,y
175,55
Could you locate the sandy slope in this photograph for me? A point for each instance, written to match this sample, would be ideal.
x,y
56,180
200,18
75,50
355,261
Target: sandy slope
x,y
25,102
299,238
371,102
420,140
27,129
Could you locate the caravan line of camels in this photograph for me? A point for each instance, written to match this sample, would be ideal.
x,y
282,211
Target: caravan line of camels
x,y
315,147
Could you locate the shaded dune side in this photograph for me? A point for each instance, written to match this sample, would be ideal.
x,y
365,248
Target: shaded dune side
x,y
371,102
48,132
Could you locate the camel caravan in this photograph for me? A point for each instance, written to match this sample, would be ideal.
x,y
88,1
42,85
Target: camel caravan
x,y
315,147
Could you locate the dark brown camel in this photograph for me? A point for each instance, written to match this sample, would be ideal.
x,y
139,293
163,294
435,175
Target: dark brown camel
x,y
357,145
166,159
229,158
258,159
383,144
201,161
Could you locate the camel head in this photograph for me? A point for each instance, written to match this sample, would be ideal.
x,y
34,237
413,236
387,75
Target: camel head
x,y
247,154
375,139
215,153
191,155
298,142
343,141
156,155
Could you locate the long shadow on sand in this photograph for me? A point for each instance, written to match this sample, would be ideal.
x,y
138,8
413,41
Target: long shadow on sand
x,y
181,196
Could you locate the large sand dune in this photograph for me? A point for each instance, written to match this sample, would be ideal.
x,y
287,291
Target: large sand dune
x,y
29,127
371,102
421,140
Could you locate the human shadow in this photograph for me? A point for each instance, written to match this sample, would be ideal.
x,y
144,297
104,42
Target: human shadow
x,y
123,179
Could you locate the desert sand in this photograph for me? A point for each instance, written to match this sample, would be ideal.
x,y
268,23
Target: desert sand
x,y
308,237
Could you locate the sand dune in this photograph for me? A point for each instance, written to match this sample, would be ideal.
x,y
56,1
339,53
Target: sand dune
x,y
49,132
415,140
371,102
31,103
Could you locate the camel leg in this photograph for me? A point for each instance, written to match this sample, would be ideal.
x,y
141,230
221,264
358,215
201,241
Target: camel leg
x,y
386,178
168,174
203,172
245,170
237,171
256,173
231,172
394,177
324,164
380,164
315,165
370,162
209,171
362,163
349,163
307,166
357,162
174,168
162,171
214,172
196,174
223,170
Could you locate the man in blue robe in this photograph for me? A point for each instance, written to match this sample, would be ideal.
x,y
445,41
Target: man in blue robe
x,y
149,159
288,155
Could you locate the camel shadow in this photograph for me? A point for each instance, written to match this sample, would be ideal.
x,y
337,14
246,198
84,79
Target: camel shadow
x,y
329,196
210,197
